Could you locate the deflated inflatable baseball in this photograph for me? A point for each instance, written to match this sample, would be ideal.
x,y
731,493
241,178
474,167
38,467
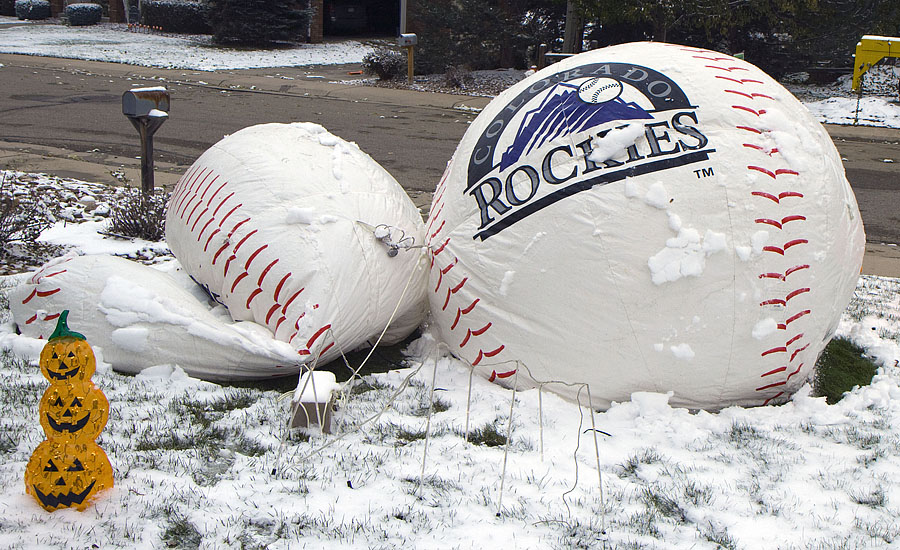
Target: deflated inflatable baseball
x,y
645,217
298,230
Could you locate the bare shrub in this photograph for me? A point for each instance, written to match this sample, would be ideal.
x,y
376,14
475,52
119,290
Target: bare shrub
x,y
24,213
139,215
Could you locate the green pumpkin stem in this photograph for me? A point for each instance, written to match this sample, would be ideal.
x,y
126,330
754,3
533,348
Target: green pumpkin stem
x,y
62,328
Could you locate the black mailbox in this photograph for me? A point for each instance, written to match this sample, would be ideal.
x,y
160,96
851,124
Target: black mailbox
x,y
147,109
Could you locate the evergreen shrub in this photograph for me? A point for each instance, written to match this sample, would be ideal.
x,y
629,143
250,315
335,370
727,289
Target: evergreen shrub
x,y
259,23
84,14
176,16
841,366
32,9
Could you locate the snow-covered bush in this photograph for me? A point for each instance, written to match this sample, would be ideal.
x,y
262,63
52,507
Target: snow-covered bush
x,y
25,211
84,14
139,215
385,64
176,16
32,9
7,7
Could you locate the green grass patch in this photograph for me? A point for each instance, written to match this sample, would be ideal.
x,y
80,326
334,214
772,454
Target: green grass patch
x,y
487,435
841,366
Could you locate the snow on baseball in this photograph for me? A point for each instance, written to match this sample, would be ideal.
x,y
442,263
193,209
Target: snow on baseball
x,y
301,232
644,217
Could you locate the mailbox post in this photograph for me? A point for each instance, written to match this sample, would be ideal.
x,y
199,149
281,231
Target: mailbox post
x,y
147,109
408,41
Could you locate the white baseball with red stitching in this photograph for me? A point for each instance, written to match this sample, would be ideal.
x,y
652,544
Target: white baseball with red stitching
x,y
696,234
276,221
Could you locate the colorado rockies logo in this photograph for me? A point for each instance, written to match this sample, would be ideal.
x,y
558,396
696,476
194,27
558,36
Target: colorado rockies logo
x,y
524,159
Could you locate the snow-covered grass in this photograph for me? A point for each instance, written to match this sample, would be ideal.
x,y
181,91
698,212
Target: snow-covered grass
x,y
115,43
419,458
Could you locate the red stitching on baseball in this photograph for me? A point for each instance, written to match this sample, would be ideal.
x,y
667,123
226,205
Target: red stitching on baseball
x,y
242,241
200,235
326,348
239,279
315,336
749,129
252,296
291,299
188,220
434,216
193,227
779,349
769,222
797,316
440,249
454,290
482,354
495,375
54,274
278,287
793,373
216,256
773,371
776,396
266,272
728,69
216,211
32,319
798,351
187,190
211,197
749,110
211,235
30,296
45,293
717,58
772,385
794,218
470,333
281,320
796,293
750,96
205,191
297,322
271,312
794,339
235,228
773,302
254,255
51,317
785,194
433,235
761,149
230,212
228,263
464,311
739,80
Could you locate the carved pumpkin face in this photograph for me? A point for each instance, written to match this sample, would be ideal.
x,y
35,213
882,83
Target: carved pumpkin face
x,y
65,474
67,358
77,409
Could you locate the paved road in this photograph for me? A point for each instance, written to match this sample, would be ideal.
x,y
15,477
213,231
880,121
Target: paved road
x,y
74,108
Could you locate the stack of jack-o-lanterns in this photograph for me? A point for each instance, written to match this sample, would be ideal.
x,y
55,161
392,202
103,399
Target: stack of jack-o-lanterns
x,y
69,467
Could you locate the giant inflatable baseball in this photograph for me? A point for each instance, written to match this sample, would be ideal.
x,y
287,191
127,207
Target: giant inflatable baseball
x,y
645,217
299,231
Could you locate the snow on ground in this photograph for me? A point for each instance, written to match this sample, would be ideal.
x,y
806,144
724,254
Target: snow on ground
x,y
200,465
114,43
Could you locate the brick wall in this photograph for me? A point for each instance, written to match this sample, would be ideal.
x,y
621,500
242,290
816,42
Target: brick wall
x,y
317,21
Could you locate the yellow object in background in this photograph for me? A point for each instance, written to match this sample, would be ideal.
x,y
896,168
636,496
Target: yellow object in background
x,y
69,468
870,50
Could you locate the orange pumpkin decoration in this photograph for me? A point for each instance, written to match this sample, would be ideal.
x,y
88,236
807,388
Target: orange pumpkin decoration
x,y
64,473
77,409
67,355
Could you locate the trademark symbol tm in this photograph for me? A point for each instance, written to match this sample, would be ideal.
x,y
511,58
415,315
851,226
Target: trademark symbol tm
x,y
704,172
